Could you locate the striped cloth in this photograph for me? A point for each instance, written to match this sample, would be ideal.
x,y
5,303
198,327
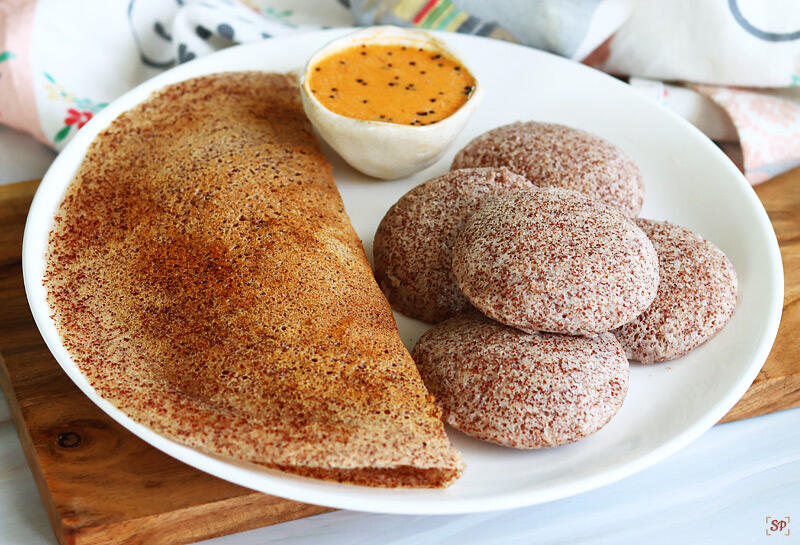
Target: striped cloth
x,y
433,15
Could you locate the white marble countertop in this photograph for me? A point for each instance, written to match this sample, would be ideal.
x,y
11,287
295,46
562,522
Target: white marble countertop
x,y
719,489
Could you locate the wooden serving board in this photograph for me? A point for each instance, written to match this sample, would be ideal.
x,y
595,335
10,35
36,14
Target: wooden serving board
x,y
101,484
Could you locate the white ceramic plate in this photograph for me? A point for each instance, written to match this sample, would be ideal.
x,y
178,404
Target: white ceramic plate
x,y
689,181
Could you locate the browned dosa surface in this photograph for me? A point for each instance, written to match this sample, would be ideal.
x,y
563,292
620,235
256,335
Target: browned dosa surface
x,y
206,279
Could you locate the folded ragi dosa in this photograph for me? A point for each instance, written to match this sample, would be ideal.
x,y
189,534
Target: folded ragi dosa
x,y
205,277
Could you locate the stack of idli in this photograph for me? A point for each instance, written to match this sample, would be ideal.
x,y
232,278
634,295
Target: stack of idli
x,y
542,283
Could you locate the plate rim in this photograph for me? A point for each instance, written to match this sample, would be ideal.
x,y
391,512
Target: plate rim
x,y
389,503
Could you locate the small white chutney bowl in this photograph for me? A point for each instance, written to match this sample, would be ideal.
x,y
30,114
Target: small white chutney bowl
x,y
379,149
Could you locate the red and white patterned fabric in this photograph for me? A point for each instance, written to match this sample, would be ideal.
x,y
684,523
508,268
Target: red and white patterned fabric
x,y
62,62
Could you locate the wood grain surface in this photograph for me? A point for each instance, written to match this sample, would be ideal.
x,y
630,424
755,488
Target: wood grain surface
x,y
777,386
101,484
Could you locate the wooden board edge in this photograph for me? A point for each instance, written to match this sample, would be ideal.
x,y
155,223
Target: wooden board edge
x,y
765,397
19,191
215,519
29,450
15,200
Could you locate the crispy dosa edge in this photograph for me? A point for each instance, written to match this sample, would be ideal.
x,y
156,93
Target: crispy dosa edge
x,y
407,449
396,477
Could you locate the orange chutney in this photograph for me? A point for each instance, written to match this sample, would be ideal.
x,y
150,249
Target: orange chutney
x,y
391,83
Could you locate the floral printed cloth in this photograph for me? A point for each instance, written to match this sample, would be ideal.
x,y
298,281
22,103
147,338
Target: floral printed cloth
x,y
62,62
